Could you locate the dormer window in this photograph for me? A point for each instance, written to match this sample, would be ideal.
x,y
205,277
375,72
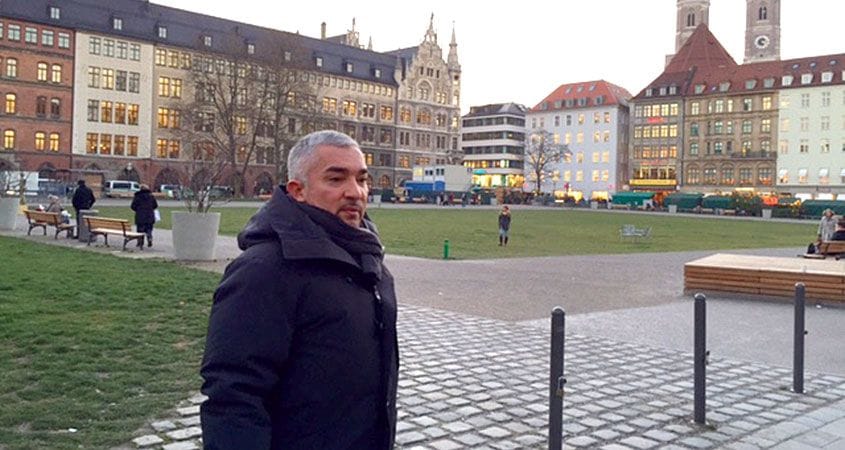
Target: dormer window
x,y
347,67
319,61
827,77
287,56
649,92
55,13
117,23
699,88
206,40
724,87
806,78
786,80
663,90
377,73
673,90
250,49
750,84
768,82
162,32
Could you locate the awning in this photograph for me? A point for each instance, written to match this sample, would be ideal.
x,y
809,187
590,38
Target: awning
x,y
823,172
627,198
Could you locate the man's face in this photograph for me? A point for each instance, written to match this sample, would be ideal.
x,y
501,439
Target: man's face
x,y
336,181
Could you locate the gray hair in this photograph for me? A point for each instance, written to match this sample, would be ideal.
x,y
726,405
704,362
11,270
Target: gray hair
x,y
300,155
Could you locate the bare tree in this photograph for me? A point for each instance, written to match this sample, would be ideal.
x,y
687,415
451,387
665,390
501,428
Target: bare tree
x,y
541,151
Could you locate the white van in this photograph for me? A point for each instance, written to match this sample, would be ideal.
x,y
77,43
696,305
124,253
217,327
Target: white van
x,y
120,188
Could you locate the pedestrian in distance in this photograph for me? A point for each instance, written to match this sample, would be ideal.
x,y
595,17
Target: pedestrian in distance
x,y
83,198
827,225
504,225
301,350
145,205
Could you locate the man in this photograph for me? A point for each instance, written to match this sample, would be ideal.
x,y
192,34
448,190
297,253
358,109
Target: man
x,y
301,351
83,198
839,234
504,225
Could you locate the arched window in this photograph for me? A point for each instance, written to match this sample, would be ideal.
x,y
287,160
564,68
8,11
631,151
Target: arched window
x,y
11,103
691,19
11,67
40,140
41,106
9,139
763,13
41,73
56,74
54,142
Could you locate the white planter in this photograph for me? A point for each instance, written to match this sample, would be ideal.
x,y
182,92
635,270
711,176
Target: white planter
x,y
194,235
9,207
673,209
767,213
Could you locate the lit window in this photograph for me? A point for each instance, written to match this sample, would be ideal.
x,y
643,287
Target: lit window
x,y
55,107
319,61
41,72
348,67
55,13
11,103
9,139
206,40
11,67
250,49
54,142
117,23
162,32
40,140
56,74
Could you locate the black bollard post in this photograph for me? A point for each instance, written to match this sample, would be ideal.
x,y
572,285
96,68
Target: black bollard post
x,y
798,350
556,380
700,357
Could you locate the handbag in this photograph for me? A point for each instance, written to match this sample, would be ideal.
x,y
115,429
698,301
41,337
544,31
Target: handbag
x,y
157,215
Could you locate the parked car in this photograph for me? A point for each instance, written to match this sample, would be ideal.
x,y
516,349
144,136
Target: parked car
x,y
172,191
120,188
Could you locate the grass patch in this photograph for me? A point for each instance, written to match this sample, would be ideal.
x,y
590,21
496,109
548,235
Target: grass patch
x,y
473,233
94,342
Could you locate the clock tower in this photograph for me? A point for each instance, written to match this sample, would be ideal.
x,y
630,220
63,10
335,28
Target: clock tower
x,y
762,30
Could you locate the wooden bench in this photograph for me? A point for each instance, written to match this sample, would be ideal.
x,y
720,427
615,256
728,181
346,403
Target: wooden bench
x,y
828,248
42,219
631,231
765,276
104,226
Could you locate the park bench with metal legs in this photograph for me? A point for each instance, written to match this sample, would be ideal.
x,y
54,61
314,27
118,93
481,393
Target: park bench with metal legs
x,y
826,249
43,219
104,226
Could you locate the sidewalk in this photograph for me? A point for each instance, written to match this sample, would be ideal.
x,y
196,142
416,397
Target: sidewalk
x,y
473,382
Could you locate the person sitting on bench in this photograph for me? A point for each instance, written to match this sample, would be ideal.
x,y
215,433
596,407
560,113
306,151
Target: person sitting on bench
x,y
839,234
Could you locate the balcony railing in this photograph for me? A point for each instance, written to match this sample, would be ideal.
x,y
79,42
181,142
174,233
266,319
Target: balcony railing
x,y
753,154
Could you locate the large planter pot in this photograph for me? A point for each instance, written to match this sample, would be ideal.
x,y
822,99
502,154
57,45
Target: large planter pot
x,y
9,208
194,235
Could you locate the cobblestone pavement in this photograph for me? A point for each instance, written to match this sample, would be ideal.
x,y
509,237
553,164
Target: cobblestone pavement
x,y
470,382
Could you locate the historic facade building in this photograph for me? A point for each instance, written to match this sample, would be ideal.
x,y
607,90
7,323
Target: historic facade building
x,y
493,144
591,120
153,89
36,83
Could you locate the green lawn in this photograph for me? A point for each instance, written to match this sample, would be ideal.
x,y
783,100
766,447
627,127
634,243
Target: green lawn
x,y
95,343
472,233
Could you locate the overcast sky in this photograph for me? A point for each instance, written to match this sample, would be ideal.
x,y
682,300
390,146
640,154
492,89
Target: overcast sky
x,y
520,52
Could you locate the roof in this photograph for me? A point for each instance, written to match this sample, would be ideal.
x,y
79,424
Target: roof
x,y
496,109
583,95
185,29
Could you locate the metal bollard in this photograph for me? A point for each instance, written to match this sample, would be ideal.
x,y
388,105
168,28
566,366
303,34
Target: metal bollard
x,y
798,341
446,249
556,380
700,358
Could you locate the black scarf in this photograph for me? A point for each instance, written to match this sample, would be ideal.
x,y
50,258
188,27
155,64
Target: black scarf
x,y
361,243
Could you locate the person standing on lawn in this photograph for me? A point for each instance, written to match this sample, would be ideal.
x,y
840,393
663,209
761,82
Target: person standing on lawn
x,y
144,205
504,225
301,351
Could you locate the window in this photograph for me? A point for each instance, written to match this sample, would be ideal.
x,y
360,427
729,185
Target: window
x,y
805,124
250,49
94,45
806,78
46,38
64,40
386,113
119,145
108,48
41,106
30,35
802,176
122,49
766,103
56,74
55,107
11,67
825,123
319,61
132,115
163,87
206,40
13,33
135,52
119,112
93,110
744,175
162,31
120,80
766,126
41,72
746,127
11,104
54,142
131,145
350,108
108,78
105,144
55,13
40,140
117,23
803,146
93,77
695,109
9,139
747,104
825,99
134,81
105,111
805,100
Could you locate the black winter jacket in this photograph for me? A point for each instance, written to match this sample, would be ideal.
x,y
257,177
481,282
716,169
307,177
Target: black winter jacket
x,y
83,198
144,205
301,351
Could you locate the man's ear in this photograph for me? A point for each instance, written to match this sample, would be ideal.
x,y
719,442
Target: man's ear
x,y
296,190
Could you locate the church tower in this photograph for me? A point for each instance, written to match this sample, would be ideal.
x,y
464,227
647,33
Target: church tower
x,y
691,14
762,30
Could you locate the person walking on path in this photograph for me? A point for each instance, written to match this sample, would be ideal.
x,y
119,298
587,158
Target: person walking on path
x,y
504,225
301,350
144,205
83,198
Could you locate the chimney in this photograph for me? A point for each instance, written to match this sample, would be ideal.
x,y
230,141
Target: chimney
x,y
323,31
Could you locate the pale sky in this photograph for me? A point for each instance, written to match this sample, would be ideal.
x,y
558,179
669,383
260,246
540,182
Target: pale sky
x,y
521,52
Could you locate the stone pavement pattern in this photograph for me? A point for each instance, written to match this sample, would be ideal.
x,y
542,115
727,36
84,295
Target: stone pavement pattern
x,y
469,382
